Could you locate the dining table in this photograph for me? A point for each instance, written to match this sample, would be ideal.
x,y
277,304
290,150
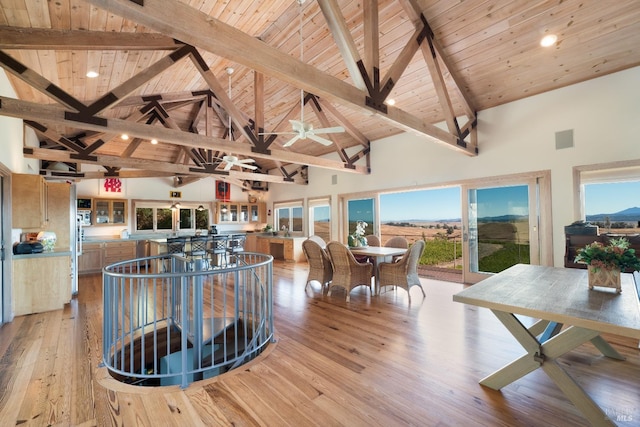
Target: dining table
x,y
567,314
379,254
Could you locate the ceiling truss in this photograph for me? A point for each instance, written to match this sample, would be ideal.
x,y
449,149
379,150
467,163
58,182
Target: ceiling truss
x,y
92,126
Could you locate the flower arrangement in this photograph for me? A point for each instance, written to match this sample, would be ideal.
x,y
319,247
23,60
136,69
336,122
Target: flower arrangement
x,y
357,238
616,255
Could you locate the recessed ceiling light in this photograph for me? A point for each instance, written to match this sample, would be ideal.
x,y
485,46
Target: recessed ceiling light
x,y
124,136
390,101
548,40
154,141
92,74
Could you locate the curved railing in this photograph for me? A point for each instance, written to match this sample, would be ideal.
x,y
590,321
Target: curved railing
x,y
169,320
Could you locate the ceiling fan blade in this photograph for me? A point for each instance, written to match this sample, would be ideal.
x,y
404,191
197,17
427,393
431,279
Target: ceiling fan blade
x,y
336,129
321,140
227,167
246,161
291,141
278,133
244,165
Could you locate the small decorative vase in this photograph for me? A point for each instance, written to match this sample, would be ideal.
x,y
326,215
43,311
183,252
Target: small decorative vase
x,y
607,278
362,241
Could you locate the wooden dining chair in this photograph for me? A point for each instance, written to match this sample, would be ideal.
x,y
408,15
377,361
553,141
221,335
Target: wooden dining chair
x,y
403,273
320,268
347,272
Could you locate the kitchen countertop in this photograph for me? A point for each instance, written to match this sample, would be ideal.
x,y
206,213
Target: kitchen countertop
x,y
55,252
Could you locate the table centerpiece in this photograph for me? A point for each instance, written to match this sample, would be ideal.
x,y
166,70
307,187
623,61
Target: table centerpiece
x,y
357,239
605,263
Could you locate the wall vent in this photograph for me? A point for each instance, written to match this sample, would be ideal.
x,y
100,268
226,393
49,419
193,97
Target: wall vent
x,y
564,139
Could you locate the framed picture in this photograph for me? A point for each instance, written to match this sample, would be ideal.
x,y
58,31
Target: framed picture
x,y
223,191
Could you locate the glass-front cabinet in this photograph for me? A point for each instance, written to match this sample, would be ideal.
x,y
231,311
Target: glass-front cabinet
x,y
240,213
110,212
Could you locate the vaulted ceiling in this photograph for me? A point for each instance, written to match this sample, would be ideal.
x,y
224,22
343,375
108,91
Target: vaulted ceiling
x,y
210,78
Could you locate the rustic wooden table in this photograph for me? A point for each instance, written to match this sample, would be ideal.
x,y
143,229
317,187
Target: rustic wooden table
x,y
560,296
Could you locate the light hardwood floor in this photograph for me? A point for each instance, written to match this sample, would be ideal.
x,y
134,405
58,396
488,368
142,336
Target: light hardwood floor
x,y
373,362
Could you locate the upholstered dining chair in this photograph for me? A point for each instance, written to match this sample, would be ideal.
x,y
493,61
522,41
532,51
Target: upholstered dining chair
x,y
403,273
347,272
320,268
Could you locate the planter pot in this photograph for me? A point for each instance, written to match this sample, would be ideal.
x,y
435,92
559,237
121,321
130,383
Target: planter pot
x,y
605,278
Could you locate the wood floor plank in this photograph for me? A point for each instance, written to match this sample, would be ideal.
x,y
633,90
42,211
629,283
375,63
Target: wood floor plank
x,y
376,361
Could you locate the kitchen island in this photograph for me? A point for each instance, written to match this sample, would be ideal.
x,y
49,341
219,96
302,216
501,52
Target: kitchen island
x,y
42,281
287,248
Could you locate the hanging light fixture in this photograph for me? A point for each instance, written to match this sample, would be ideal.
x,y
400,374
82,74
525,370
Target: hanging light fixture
x,y
200,208
174,206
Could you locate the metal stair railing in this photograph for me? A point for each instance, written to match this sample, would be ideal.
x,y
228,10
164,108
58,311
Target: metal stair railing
x,y
186,323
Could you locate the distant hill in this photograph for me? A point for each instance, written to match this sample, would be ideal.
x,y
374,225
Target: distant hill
x,y
626,215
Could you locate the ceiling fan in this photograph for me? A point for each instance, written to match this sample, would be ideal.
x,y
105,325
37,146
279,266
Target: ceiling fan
x,y
232,161
302,130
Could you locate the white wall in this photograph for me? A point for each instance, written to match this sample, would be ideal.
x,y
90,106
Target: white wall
x,y
12,136
202,191
513,138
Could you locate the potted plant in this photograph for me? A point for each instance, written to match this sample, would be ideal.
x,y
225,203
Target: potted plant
x,y
606,262
357,238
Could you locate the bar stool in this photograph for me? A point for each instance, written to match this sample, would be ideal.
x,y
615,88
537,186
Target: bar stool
x,y
218,250
235,245
175,246
198,250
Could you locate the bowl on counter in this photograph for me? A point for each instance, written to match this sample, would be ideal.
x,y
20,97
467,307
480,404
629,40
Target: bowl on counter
x,y
47,239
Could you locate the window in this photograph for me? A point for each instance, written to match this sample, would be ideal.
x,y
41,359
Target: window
x,y
611,199
156,216
320,218
361,210
289,215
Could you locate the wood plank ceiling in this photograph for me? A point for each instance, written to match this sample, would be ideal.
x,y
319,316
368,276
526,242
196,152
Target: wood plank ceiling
x,y
162,74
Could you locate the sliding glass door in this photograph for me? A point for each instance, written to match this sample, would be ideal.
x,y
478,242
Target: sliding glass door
x,y
501,226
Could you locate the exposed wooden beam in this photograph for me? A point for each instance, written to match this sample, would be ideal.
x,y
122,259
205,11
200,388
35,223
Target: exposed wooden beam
x,y
47,39
371,36
147,165
178,20
55,115
343,39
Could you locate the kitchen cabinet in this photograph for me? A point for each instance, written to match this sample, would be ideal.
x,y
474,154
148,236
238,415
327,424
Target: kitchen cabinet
x,y
96,255
287,248
58,213
110,212
28,201
119,251
240,213
91,259
41,283
251,243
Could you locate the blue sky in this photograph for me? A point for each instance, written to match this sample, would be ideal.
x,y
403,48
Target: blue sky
x,y
611,198
443,203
